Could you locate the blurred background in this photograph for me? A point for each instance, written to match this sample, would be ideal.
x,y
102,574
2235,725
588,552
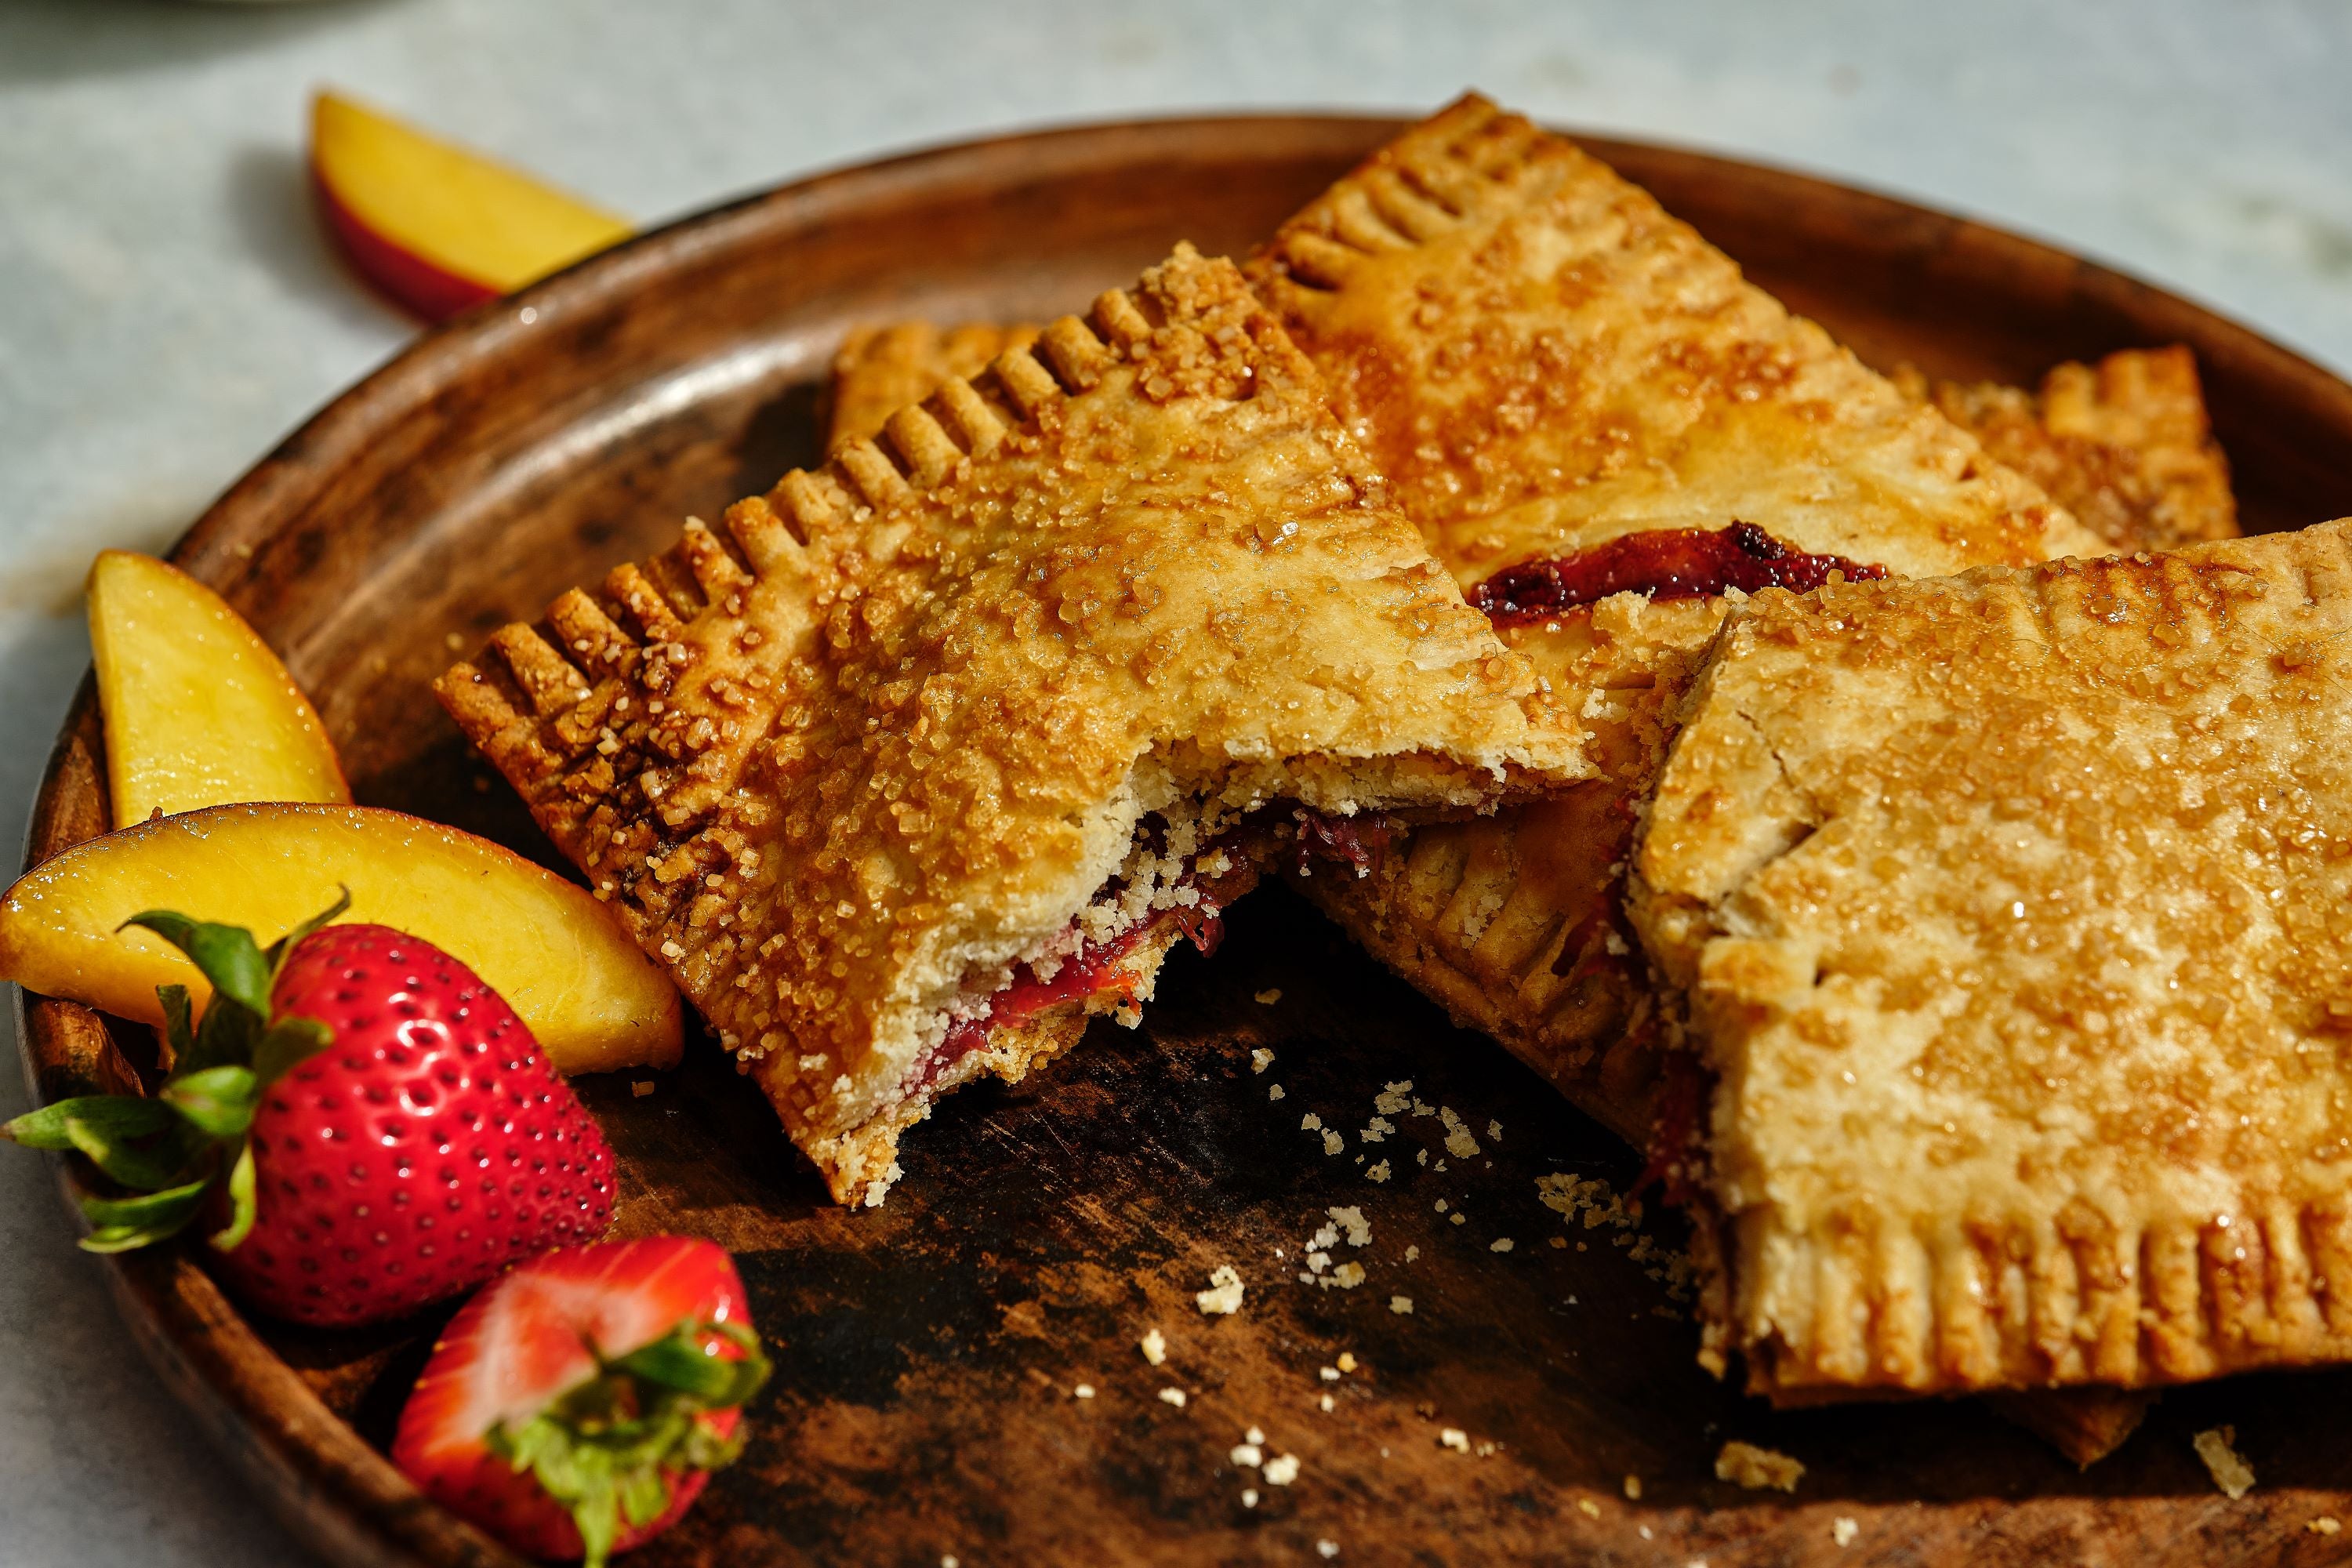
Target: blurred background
x,y
169,307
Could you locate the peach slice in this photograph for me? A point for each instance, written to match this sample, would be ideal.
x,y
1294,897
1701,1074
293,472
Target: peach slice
x,y
437,227
592,998
198,710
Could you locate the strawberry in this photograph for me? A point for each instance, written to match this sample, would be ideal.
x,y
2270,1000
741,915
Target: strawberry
x,y
374,1126
579,1404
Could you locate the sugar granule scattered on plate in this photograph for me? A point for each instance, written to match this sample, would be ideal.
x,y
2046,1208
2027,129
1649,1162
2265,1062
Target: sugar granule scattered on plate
x,y
2326,1524
1755,1467
1268,997
1260,1060
1310,1122
2223,1462
1083,1390
1332,1143
1154,1346
1501,1244
1401,1305
1328,1374
1273,1091
1455,1438
1378,1172
642,1088
1842,1530
1633,1489
1347,1361
1588,1508
1326,1548
1412,1254
1223,1295
1254,1435
1246,1456
1174,1396
1350,1219
1328,1403
1281,1470
1249,1497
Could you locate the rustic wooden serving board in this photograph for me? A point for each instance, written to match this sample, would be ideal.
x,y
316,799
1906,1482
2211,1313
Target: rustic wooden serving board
x,y
928,1352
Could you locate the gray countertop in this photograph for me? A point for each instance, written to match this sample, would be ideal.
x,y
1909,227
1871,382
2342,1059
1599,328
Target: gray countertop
x,y
167,310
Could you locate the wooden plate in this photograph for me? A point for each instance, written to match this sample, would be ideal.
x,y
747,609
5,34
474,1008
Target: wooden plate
x,y
928,1351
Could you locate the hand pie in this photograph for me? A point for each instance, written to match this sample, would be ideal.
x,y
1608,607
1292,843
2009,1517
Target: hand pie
x,y
2124,444
881,370
2013,916
1573,394
935,749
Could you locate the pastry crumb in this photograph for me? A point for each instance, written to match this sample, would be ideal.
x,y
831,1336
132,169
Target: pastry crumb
x,y
1310,1122
1755,1467
1174,1396
1223,1295
1412,1254
1348,1276
1249,1497
1455,1438
1332,1143
1441,1205
1457,1216
1559,1244
1378,1172
1347,1361
2326,1524
1327,1405
1494,1132
1281,1470
1273,1091
1328,1374
1254,1436
1261,1059
2223,1462
1501,1244
1083,1390
1247,1455
1842,1530
1588,1508
1326,1548
1633,1489
1154,1346
1352,1220
1458,1141
1392,1100
1401,1305
642,1088
1267,998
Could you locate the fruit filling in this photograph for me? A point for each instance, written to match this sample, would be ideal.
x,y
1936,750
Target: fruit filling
x,y
1179,873
1663,564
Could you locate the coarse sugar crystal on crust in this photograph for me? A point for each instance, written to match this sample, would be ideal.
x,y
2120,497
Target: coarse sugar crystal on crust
x,y
937,749
2013,913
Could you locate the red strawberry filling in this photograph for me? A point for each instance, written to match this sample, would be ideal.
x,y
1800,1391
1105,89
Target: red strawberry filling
x,y
1663,564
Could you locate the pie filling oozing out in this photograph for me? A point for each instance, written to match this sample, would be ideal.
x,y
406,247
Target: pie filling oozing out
x,y
1658,563
910,768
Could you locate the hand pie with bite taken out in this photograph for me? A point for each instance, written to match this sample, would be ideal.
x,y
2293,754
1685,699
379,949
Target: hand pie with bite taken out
x,y
935,751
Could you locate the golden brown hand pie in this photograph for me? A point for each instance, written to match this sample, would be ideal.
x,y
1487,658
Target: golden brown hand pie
x,y
2014,912
937,749
2125,444
881,370
1550,369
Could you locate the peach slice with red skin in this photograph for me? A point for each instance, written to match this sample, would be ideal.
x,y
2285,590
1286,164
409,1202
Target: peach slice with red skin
x,y
587,991
199,712
436,226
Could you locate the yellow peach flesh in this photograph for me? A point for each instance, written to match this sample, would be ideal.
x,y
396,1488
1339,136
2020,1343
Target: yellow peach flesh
x,y
591,997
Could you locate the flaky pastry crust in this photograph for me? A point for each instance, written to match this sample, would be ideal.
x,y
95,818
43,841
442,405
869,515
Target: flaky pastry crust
x,y
2014,912
2124,444
877,371
847,766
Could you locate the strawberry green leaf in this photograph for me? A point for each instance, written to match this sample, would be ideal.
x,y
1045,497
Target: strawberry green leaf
x,y
242,1206
285,945
179,1024
610,1449
217,1101
225,1037
226,955
111,1116
147,1164
122,1224
286,1044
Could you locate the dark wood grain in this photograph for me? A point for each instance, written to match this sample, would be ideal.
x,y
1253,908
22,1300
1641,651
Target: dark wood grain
x,y
929,1350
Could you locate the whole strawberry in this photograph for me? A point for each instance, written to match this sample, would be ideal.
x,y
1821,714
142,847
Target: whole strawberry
x,y
374,1124
579,1404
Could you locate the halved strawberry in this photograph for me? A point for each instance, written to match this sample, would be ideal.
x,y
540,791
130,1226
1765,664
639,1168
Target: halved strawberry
x,y
374,1126
579,1402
